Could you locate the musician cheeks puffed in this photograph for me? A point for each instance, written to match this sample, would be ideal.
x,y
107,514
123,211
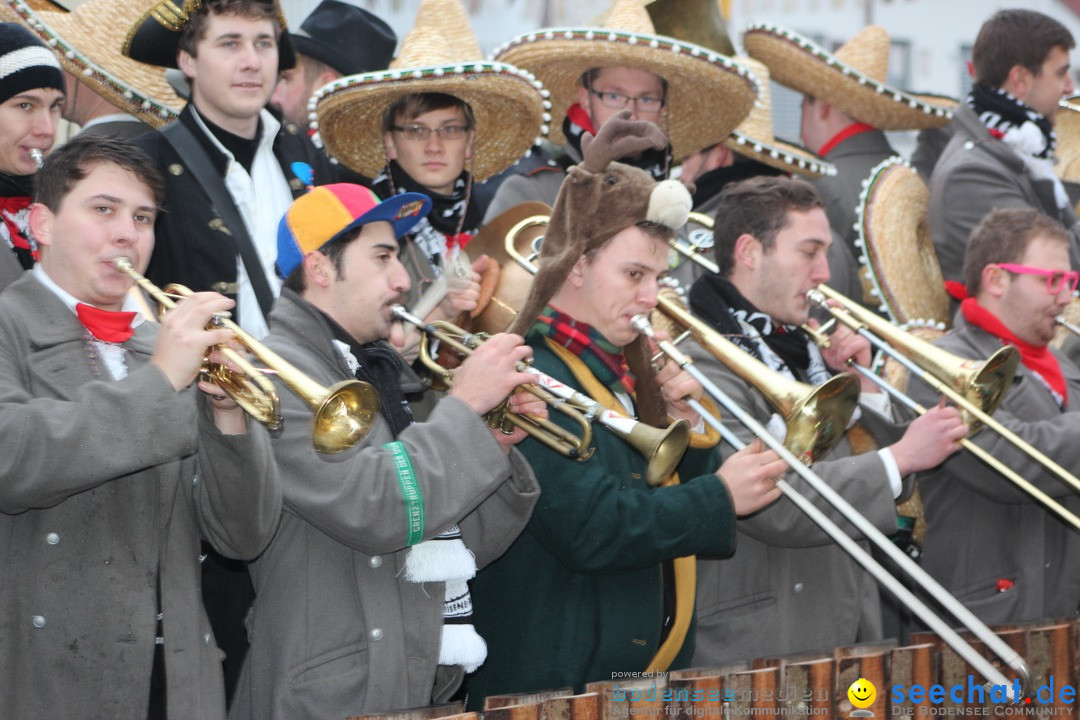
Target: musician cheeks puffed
x,y
117,467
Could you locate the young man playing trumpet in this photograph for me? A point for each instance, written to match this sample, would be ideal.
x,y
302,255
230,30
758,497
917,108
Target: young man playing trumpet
x,y
790,588
989,543
362,604
601,582
115,465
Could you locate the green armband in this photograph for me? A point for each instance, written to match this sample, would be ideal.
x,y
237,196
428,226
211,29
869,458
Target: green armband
x,y
410,490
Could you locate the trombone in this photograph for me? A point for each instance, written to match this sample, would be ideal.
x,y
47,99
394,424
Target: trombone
x,y
974,392
662,448
861,556
343,413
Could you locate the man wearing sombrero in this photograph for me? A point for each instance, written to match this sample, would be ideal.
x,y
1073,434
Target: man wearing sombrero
x,y
789,588
595,73
31,95
438,120
1002,154
108,93
846,106
601,581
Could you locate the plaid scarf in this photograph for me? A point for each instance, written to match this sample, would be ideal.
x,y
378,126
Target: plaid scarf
x,y
604,360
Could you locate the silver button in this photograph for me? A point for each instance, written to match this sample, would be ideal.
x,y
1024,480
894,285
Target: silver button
x,y
968,145
375,561
52,539
39,621
375,634
798,587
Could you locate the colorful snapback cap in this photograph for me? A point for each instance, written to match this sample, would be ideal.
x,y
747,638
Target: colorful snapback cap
x,y
326,213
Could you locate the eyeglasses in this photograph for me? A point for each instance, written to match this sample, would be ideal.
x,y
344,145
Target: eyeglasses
x,y
1056,280
618,101
421,133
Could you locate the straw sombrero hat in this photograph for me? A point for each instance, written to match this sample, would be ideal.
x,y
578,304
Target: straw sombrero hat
x,y
8,14
507,102
702,84
900,269
1067,130
754,137
154,37
852,79
87,42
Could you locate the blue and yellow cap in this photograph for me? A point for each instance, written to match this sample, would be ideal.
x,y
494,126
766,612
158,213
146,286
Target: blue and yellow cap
x,y
326,213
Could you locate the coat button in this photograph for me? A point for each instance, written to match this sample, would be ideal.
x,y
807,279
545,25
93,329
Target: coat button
x,y
968,145
375,561
52,539
798,587
375,634
176,169
39,621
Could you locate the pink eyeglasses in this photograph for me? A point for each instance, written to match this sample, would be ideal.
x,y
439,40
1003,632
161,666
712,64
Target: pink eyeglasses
x,y
1055,279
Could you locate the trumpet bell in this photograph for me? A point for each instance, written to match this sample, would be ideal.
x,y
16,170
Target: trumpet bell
x,y
343,416
662,448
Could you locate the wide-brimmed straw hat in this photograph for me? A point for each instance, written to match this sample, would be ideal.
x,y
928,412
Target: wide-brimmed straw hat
x,y
754,137
154,38
708,94
900,269
1067,130
8,14
507,102
87,42
852,80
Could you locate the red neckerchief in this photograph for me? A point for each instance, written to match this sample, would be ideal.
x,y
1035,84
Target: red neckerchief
x,y
106,325
850,131
10,207
956,290
1038,360
459,240
579,117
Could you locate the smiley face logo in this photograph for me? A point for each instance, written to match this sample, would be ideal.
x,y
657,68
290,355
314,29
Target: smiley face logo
x,y
862,693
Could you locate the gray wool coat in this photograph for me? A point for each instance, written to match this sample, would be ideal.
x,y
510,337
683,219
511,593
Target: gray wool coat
x,y
105,482
336,629
854,158
976,174
981,529
789,588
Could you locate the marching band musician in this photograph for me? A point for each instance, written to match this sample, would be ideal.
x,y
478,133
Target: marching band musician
x,y
115,466
599,581
31,97
789,588
362,604
990,544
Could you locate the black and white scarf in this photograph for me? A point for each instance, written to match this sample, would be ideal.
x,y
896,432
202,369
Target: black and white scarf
x,y
1029,133
781,347
444,558
453,219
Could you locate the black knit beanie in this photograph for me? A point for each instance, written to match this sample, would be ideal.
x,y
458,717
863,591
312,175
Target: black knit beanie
x,y
26,63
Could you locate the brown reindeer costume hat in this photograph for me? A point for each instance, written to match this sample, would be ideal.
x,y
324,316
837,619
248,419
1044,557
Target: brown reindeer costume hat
x,y
599,199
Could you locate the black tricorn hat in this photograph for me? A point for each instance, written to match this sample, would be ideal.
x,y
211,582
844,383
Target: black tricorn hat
x,y
346,37
155,37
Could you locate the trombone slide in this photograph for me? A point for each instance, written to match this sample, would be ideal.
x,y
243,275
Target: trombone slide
x,y
902,560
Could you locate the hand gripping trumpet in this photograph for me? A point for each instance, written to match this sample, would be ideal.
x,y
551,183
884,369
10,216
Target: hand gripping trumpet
x,y
343,413
976,388
662,448
868,530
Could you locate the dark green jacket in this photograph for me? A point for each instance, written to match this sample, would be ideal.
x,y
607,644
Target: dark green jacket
x,y
579,595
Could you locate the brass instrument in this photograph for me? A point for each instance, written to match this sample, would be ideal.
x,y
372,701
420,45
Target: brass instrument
x,y
977,388
1071,327
37,156
816,417
691,250
343,413
662,448
868,530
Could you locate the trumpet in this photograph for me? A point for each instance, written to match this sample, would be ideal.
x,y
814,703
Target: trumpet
x,y
977,388
343,413
861,556
691,250
37,156
662,448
